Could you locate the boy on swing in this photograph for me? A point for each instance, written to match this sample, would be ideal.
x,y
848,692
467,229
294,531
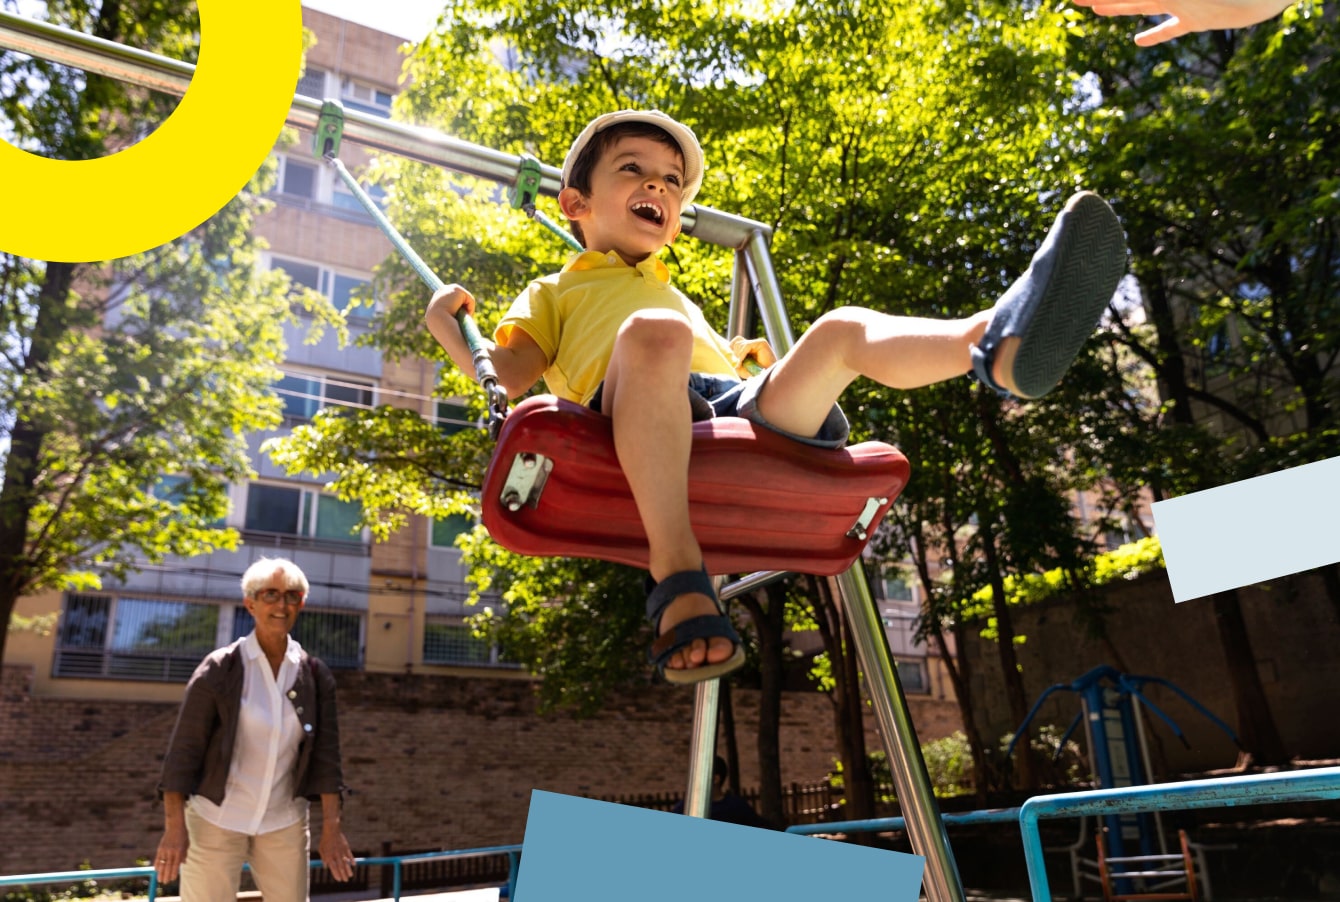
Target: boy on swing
x,y
609,331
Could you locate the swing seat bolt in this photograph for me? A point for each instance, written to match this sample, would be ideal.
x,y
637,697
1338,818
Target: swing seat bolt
x,y
512,501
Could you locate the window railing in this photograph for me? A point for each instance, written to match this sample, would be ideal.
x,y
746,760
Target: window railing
x,y
258,538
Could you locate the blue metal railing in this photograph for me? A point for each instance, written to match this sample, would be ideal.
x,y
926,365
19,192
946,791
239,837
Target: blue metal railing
x,y
1254,789
395,862
880,824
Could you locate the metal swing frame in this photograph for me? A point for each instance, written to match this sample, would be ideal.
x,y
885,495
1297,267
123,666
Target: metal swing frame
x,y
754,287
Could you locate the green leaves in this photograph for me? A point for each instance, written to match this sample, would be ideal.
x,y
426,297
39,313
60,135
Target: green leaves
x,y
131,385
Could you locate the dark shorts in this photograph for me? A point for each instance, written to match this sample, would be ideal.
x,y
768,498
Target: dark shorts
x,y
723,396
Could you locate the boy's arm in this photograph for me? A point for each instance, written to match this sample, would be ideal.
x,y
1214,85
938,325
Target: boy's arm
x,y
519,363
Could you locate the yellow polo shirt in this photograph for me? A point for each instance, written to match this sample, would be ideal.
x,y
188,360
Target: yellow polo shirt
x,y
574,316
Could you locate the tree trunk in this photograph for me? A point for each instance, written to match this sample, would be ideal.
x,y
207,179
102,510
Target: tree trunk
x,y
958,678
1257,732
1256,725
766,609
18,495
1330,579
726,729
848,723
1026,772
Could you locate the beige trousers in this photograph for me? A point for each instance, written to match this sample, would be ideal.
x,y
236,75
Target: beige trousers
x,y
212,871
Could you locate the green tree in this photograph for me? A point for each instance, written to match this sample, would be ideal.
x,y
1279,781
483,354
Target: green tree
x,y
912,172
1230,138
129,386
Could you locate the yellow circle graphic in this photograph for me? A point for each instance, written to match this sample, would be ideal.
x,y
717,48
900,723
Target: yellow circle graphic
x,y
78,211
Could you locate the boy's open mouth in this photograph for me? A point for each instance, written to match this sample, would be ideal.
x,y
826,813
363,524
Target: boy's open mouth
x,y
649,212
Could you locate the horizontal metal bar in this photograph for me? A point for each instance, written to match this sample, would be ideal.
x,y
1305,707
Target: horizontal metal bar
x,y
75,876
159,73
67,47
751,582
882,824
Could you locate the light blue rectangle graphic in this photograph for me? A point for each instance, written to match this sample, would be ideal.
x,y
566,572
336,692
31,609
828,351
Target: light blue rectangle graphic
x,y
1251,531
580,850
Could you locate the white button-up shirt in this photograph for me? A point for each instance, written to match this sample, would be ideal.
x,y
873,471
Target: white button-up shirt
x,y
259,795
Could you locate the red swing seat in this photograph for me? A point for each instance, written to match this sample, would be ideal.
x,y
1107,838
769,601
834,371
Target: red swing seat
x,y
757,500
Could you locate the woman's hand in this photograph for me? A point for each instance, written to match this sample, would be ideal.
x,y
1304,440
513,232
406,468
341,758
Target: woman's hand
x,y
335,853
171,852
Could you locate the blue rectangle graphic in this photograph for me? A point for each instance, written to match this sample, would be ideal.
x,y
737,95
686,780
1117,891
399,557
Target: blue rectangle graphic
x,y
580,849
1251,531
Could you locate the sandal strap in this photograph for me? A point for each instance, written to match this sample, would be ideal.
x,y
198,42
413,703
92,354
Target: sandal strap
x,y
681,635
983,361
685,582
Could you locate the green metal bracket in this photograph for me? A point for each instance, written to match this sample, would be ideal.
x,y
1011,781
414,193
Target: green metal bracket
x,y
527,185
329,130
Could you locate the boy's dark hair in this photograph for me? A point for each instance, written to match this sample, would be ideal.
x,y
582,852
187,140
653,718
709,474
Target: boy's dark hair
x,y
595,149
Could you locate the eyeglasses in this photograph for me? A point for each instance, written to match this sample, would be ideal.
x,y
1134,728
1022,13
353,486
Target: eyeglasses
x,y
291,597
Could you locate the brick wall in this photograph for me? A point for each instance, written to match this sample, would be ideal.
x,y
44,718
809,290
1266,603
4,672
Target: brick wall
x,y
432,761
1294,631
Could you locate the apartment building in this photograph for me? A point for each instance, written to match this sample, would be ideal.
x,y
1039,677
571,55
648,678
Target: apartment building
x,y
397,606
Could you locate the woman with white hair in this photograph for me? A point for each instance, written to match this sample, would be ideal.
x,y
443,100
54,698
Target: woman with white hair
x,y
255,740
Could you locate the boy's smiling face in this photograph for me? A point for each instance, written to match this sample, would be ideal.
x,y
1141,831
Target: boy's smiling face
x,y
633,205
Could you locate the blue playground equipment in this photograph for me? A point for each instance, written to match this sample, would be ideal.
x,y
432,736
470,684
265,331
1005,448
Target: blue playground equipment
x,y
1110,704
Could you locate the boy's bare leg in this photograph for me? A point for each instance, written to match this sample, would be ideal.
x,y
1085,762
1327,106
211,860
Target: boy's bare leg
x,y
646,395
897,351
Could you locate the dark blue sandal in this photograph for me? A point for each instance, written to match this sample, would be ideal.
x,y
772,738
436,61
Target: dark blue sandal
x,y
1056,304
682,635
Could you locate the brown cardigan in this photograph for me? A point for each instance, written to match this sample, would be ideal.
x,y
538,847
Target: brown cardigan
x,y
201,748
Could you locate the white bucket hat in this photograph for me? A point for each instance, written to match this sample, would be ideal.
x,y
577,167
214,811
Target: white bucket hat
x,y
683,135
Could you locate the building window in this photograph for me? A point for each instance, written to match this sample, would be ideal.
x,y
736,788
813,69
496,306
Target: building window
x,y
365,98
178,490
345,291
305,275
312,84
133,638
304,395
344,199
896,583
157,640
297,179
912,676
446,529
453,417
286,511
335,637
447,642
1120,534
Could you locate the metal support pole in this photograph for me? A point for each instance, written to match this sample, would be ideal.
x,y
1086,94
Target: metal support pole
x,y
758,263
702,743
925,829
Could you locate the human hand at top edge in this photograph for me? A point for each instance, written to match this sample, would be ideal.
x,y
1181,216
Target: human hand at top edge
x,y
1186,16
